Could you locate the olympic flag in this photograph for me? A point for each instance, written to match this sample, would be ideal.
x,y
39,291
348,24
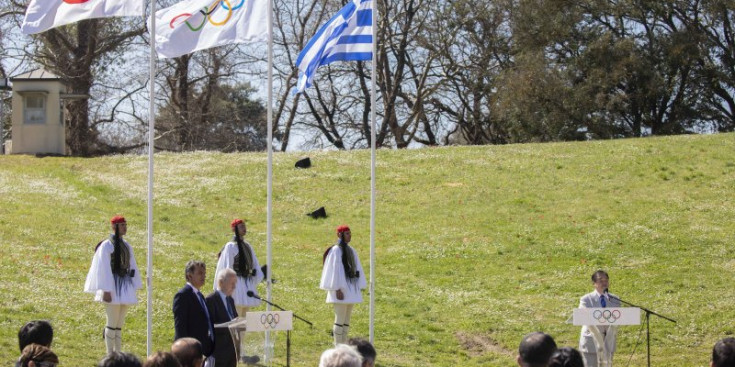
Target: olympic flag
x,y
42,15
200,24
348,36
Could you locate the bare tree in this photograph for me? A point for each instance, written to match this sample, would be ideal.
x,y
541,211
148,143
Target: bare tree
x,y
207,109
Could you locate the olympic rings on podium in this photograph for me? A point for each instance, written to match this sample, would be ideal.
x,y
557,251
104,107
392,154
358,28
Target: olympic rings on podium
x,y
606,316
270,320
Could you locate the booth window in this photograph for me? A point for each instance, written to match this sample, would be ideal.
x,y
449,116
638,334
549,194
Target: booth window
x,y
35,109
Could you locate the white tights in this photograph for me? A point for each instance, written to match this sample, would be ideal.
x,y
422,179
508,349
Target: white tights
x,y
342,313
113,330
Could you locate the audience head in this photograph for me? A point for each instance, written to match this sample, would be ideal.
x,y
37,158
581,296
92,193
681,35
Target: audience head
x,y
566,357
36,355
35,332
536,350
340,356
162,359
723,354
120,359
366,350
188,351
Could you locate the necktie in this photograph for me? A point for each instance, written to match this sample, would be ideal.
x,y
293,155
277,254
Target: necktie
x,y
602,301
229,308
206,312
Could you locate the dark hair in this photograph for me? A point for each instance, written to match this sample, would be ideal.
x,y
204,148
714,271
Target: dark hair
x,y
37,353
162,359
192,265
566,357
723,354
244,260
598,274
536,349
120,359
36,331
366,350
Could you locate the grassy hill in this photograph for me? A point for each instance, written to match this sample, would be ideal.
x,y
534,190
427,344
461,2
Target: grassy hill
x,y
476,246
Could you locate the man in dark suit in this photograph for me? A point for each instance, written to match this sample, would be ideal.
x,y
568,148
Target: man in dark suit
x,y
222,309
191,317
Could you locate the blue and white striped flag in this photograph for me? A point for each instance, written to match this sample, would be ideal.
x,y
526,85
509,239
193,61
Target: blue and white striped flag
x,y
348,36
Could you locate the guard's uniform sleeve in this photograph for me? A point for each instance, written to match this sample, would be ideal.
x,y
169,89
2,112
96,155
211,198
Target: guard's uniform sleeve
x,y
226,260
99,277
258,271
137,282
362,282
333,272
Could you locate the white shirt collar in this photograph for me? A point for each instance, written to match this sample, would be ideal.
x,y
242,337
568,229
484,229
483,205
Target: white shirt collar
x,y
193,287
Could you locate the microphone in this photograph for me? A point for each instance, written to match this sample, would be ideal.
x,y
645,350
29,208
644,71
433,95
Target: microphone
x,y
251,294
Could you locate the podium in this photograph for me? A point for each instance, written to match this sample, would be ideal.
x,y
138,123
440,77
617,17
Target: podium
x,y
610,317
254,337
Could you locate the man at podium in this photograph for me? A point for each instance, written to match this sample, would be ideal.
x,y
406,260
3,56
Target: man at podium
x,y
598,298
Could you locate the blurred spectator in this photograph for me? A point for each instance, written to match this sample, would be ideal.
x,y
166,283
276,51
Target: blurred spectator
x,y
120,359
340,356
188,351
535,350
723,354
36,355
566,357
35,332
366,350
162,359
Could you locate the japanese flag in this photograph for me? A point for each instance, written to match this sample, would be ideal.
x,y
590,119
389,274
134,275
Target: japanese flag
x,y
42,15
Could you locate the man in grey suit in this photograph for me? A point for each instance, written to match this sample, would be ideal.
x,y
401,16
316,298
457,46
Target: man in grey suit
x,y
222,309
598,298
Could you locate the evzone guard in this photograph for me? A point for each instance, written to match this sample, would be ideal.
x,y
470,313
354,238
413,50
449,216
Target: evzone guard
x,y
114,279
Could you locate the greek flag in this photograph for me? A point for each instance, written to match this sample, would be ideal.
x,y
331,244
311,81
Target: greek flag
x,y
348,36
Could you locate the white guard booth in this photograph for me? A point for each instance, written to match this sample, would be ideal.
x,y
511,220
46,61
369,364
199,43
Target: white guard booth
x,y
607,316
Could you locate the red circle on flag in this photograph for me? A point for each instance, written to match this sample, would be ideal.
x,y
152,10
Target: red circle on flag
x,y
75,1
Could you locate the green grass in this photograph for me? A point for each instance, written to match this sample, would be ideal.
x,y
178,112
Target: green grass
x,y
476,246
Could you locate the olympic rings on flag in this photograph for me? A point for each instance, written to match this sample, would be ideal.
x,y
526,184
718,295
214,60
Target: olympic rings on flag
x,y
606,316
237,7
75,1
270,320
207,13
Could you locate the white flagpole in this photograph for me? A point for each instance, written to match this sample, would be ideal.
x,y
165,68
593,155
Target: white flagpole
x,y
372,175
151,149
269,210
270,150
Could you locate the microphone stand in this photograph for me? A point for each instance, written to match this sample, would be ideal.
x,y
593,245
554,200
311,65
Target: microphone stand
x,y
288,332
648,324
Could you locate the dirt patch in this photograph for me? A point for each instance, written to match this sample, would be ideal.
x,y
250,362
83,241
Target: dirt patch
x,y
479,344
